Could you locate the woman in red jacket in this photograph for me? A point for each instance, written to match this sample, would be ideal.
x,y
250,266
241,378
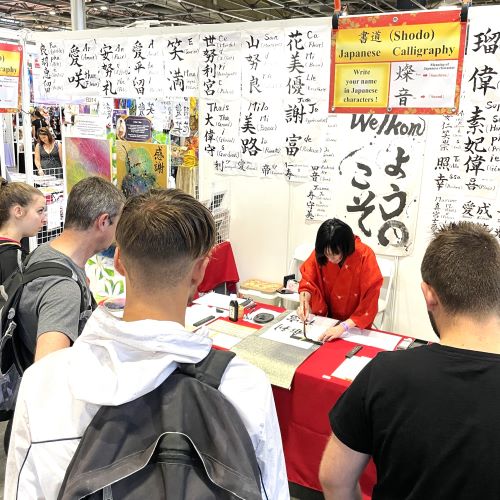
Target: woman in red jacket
x,y
340,279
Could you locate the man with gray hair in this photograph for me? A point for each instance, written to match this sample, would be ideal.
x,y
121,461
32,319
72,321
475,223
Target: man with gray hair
x,y
51,314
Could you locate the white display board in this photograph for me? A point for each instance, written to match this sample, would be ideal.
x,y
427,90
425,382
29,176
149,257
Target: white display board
x,y
265,137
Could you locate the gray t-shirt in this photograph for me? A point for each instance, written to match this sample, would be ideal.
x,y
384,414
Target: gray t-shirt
x,y
53,304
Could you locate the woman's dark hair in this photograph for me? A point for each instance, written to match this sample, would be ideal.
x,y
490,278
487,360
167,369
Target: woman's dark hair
x,y
336,236
46,132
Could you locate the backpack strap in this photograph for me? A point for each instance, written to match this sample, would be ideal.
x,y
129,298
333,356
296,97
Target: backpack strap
x,y
49,268
6,245
210,369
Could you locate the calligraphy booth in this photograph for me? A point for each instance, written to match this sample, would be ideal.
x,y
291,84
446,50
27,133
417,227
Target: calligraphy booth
x,y
251,109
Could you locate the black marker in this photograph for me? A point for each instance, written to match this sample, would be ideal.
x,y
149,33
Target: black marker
x,y
204,320
354,351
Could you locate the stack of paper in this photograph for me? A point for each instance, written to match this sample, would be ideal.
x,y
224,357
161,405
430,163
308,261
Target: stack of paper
x,y
350,367
374,339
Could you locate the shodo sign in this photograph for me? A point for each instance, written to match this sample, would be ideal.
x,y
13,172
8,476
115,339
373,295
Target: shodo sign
x,y
11,57
397,63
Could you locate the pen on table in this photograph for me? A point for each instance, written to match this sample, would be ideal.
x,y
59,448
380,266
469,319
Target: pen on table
x,y
204,320
354,351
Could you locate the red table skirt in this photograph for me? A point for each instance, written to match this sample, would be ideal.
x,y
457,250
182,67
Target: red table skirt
x,y
303,414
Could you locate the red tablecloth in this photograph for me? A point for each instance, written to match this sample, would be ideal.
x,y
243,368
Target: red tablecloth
x,y
220,269
303,414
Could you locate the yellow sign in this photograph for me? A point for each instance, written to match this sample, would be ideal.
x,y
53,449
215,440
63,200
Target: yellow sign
x,y
10,63
398,43
10,77
362,86
397,63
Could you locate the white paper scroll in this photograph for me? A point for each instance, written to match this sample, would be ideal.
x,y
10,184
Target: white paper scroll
x,y
219,134
114,68
181,57
263,64
52,68
219,65
81,68
260,135
318,202
467,168
378,181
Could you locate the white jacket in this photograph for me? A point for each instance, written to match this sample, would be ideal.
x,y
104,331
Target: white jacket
x,y
111,363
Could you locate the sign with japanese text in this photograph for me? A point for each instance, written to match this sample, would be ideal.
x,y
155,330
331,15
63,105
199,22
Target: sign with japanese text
x,y
404,63
10,77
378,178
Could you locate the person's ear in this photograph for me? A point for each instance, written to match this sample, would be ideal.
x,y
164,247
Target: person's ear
x,y
199,269
17,211
117,260
103,221
430,296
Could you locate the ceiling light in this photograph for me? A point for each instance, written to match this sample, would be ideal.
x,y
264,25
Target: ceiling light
x,y
103,7
52,12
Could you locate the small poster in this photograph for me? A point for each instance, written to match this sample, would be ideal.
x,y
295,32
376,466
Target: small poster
x,y
10,77
86,157
137,129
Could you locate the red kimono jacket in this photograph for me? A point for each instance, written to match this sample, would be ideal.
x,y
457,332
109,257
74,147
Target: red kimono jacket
x,y
349,292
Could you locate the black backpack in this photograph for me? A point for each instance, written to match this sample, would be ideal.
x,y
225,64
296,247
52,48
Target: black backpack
x,y
183,440
13,353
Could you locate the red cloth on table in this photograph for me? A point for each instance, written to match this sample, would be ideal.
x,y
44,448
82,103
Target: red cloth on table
x,y
303,411
303,414
221,269
347,292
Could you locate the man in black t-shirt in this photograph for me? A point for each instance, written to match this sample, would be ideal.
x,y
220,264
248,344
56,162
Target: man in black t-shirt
x,y
430,417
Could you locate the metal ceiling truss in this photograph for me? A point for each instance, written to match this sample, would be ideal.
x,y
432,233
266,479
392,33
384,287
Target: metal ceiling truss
x,y
55,14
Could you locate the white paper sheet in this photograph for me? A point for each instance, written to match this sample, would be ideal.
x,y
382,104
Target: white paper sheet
x,y
54,216
374,339
224,340
216,300
290,330
350,367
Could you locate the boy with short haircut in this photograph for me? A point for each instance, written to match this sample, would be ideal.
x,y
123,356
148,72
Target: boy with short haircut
x,y
163,242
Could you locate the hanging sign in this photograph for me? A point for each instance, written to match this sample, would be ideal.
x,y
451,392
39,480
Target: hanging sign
x,y
397,63
11,57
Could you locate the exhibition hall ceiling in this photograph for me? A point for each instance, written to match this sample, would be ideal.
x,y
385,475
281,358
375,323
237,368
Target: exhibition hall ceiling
x,y
55,15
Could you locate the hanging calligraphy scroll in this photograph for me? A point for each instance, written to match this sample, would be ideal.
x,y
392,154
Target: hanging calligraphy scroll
x,y
466,178
377,185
